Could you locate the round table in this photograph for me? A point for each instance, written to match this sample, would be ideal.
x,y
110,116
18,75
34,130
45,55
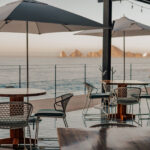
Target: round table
x,y
121,109
18,94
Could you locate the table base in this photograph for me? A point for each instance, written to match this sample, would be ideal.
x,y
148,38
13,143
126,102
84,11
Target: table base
x,y
124,117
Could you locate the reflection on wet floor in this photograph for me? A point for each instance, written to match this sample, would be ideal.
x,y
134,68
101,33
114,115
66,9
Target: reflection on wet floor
x,y
47,130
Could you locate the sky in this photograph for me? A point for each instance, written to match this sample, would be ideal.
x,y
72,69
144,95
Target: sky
x,y
51,44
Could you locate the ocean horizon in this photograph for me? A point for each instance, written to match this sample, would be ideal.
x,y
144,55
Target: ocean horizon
x,y
68,74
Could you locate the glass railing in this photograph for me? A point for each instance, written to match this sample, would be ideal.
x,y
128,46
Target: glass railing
x,y
58,79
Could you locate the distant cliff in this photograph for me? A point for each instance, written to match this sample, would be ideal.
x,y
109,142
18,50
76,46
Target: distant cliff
x,y
76,53
62,54
136,55
116,53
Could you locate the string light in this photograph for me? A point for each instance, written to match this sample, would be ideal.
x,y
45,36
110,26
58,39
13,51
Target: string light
x,y
135,4
141,9
132,6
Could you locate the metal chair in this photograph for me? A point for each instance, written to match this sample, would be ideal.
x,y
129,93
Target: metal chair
x,y
128,96
15,115
111,101
59,111
108,88
145,95
32,119
89,97
112,125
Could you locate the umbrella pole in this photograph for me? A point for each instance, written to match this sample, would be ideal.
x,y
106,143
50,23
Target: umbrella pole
x,y
27,54
124,63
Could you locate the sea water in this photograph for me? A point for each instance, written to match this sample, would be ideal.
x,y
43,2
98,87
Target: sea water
x,y
62,75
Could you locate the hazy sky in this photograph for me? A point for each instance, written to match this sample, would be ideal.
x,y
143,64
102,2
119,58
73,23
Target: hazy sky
x,y
53,43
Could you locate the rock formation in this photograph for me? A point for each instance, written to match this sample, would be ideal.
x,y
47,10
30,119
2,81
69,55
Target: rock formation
x,y
95,54
62,54
76,53
136,55
116,53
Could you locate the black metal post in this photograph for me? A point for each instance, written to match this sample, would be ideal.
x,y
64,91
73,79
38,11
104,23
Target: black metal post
x,y
55,81
19,76
124,63
107,21
27,53
84,78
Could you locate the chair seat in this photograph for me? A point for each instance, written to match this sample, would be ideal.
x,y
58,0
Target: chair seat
x,y
127,101
100,95
33,119
144,96
12,124
49,113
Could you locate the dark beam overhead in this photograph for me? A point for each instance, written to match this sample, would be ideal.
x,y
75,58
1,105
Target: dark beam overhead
x,y
106,59
144,1
103,0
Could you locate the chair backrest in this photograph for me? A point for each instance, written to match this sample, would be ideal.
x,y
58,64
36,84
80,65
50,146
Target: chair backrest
x,y
112,125
64,101
89,88
15,111
106,87
128,92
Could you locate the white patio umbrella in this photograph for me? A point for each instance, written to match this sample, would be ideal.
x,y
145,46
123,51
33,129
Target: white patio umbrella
x,y
30,16
122,27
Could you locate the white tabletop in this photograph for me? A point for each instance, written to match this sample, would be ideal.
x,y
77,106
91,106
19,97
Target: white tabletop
x,y
9,92
128,82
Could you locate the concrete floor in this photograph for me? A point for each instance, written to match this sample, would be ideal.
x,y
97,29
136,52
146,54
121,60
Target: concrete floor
x,y
47,127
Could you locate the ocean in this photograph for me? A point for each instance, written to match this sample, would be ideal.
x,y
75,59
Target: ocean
x,y
62,75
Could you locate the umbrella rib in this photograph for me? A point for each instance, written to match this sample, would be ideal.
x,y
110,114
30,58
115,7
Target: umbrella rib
x,y
4,24
37,27
66,27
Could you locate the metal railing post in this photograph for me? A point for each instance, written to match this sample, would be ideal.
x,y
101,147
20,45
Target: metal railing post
x,y
112,73
84,78
130,71
55,81
19,76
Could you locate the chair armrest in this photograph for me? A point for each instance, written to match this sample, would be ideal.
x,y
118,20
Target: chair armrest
x,y
57,103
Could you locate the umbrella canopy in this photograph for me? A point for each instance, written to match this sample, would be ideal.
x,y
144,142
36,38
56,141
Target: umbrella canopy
x,y
30,16
42,18
122,27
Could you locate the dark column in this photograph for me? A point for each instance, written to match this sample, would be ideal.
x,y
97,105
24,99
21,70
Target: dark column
x,y
107,21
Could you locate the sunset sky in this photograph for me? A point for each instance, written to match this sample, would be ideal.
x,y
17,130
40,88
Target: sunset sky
x,y
51,44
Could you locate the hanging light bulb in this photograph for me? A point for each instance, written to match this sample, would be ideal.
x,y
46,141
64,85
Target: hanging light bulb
x,y
141,9
132,6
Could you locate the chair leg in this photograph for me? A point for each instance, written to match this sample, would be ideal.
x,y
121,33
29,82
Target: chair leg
x,y
115,112
148,109
108,110
132,115
24,141
84,121
30,137
65,122
88,105
37,130
140,113
83,111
